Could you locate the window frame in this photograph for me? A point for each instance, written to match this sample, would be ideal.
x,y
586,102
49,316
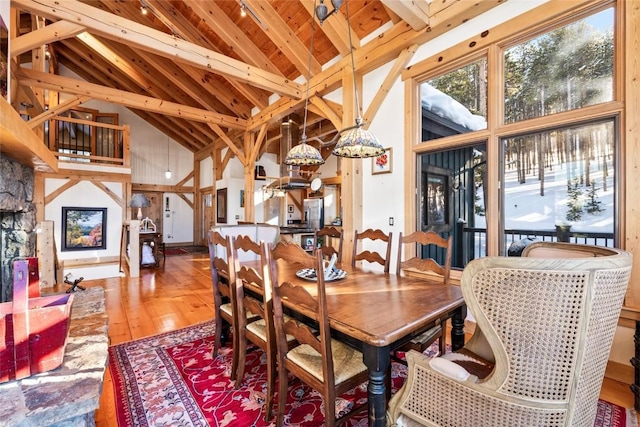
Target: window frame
x,y
492,44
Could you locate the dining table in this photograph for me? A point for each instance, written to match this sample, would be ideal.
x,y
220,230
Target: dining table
x,y
378,312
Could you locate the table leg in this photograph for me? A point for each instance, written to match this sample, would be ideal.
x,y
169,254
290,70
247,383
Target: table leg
x,y
378,360
457,327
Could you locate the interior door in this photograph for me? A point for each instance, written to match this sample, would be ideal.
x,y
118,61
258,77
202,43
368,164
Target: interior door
x,y
208,219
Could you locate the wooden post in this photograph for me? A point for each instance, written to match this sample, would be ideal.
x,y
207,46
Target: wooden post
x,y
46,253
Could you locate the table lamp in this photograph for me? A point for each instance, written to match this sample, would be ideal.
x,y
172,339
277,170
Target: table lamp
x,y
139,200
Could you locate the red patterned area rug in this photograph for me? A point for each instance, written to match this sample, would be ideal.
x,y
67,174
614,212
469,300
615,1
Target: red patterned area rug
x,y
172,380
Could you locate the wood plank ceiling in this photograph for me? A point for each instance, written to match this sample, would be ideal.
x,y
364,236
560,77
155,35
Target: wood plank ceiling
x,y
273,40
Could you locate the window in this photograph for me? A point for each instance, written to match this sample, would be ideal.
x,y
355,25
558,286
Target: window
x,y
559,185
455,102
565,69
518,177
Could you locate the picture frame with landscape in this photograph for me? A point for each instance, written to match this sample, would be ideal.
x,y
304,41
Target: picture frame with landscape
x,y
84,228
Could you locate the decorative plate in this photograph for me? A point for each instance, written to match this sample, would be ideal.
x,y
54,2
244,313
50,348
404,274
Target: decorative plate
x,y
310,274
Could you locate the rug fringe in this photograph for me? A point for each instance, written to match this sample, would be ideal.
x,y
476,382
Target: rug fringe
x,y
632,418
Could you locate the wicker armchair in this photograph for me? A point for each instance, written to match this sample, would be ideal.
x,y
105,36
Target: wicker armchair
x,y
544,329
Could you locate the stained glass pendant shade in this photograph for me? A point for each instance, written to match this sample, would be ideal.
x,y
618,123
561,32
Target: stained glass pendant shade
x,y
303,154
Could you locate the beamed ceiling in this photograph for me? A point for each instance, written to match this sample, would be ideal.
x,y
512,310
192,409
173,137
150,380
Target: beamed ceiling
x,y
202,74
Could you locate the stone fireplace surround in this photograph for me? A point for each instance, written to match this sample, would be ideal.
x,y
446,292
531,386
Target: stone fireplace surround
x,y
17,220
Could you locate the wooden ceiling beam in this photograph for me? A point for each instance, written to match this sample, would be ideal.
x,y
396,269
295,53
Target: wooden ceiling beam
x,y
128,76
374,54
77,87
181,133
53,32
142,37
283,37
186,30
215,18
335,28
414,12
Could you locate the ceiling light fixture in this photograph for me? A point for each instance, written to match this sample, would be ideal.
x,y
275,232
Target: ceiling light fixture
x,y
143,8
322,11
167,173
353,141
356,142
304,154
243,11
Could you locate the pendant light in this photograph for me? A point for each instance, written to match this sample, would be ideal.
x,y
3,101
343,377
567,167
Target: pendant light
x,y
304,154
167,173
356,142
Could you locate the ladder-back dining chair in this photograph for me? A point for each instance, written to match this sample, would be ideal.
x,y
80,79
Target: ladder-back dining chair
x,y
255,312
377,236
220,260
331,242
538,355
428,265
328,366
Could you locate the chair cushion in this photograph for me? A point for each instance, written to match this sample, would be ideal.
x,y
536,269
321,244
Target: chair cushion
x,y
347,361
471,362
259,328
227,309
448,368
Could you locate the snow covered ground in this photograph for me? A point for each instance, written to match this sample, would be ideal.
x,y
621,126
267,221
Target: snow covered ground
x,y
526,209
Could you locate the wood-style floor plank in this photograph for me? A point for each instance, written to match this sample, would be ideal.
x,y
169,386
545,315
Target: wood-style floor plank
x,y
177,295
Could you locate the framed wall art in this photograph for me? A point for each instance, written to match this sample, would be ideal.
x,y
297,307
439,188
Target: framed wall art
x,y
382,163
84,228
221,206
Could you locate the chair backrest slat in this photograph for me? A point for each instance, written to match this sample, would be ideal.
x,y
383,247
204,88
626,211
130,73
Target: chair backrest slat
x,y
425,238
372,256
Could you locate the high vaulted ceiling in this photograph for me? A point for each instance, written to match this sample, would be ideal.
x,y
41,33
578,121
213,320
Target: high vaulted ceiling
x,y
203,74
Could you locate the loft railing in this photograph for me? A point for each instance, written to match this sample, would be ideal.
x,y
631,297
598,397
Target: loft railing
x,y
84,141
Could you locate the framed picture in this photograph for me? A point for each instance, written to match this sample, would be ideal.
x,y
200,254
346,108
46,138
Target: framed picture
x,y
436,195
242,198
221,206
84,229
382,163
308,242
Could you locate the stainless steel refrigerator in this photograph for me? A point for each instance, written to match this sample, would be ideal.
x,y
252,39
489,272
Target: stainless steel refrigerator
x,y
314,213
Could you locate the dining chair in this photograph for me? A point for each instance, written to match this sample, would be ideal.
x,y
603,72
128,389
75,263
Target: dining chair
x,y
220,260
538,355
426,239
331,239
328,366
369,256
255,312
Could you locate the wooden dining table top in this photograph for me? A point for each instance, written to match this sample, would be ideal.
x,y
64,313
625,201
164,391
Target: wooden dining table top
x,y
378,308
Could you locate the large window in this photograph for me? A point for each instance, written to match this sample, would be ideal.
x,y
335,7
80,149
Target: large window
x,y
565,69
559,185
531,180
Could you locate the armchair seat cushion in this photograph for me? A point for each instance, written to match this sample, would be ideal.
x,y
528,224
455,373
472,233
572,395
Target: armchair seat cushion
x,y
469,362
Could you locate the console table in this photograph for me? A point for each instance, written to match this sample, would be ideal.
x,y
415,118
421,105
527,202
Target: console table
x,y
68,395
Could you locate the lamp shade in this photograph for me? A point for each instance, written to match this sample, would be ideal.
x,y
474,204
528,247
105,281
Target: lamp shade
x,y
358,143
303,154
139,200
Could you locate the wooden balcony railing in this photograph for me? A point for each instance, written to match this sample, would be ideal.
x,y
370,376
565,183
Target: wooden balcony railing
x,y
84,141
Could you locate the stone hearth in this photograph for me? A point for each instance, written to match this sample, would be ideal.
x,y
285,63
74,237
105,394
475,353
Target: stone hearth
x,y
68,395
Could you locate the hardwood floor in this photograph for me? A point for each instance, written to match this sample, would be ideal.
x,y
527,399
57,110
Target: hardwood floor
x,y
178,295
